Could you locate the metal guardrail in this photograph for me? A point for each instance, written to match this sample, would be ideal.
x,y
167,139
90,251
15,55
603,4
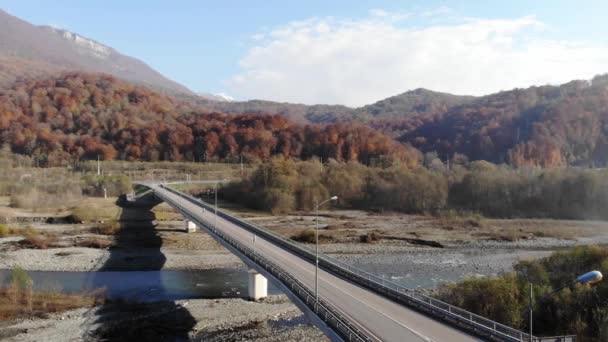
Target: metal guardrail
x,y
567,338
446,312
324,310
142,194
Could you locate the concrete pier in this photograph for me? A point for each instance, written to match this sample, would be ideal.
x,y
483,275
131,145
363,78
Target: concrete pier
x,y
190,226
258,285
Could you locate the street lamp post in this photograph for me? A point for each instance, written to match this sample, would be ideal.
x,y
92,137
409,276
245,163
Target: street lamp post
x,y
215,209
592,277
333,198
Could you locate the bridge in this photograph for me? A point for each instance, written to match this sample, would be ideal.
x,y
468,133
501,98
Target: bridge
x,y
352,305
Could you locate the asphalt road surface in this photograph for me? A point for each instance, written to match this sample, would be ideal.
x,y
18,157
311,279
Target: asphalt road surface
x,y
382,318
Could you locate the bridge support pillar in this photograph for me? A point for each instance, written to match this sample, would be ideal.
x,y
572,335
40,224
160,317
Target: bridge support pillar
x,y
258,285
190,226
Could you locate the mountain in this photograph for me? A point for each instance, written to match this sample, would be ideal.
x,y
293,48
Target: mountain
x,y
540,126
27,50
418,101
76,116
216,97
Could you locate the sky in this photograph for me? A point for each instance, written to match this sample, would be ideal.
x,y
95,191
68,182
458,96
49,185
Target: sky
x,y
343,52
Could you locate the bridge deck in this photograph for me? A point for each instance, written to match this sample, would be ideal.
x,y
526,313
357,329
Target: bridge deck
x,y
382,318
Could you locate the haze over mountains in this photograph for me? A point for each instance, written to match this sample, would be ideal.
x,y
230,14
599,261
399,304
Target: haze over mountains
x,y
541,126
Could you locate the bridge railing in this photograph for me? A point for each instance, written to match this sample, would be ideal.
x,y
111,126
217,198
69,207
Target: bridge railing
x,y
434,307
324,310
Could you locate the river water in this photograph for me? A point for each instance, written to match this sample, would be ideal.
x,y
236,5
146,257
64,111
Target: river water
x,y
146,286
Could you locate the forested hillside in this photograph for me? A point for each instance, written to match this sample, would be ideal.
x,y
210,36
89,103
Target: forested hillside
x,y
545,126
79,116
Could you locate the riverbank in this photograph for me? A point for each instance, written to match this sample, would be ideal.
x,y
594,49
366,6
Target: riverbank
x,y
179,250
416,251
274,319
162,245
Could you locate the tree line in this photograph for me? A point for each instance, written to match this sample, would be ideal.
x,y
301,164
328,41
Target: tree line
x,y
282,185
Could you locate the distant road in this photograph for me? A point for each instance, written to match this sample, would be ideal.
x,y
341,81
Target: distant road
x,y
380,317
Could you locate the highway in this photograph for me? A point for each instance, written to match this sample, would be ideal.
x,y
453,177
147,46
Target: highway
x,y
381,318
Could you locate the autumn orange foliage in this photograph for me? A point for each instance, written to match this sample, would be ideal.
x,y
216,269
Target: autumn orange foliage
x,y
78,116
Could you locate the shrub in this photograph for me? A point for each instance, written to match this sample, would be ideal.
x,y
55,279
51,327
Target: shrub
x,y
94,243
115,185
94,211
305,236
36,240
4,230
577,309
370,237
108,228
21,286
21,278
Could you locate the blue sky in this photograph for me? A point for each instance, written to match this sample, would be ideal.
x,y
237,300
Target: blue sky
x,y
211,46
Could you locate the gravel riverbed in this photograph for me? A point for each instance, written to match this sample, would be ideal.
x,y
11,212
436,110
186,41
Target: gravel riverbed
x,y
274,319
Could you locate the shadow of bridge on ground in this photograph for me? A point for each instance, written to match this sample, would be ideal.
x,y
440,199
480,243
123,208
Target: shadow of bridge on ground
x,y
143,317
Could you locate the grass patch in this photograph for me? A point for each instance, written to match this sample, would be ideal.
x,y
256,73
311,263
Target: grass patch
x,y
18,300
15,305
4,230
450,218
27,196
96,210
166,215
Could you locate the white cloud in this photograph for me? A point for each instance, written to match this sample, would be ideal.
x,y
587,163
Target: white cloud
x,y
356,62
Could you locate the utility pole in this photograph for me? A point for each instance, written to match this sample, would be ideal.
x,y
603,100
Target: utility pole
x,y
241,166
531,299
317,205
316,254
